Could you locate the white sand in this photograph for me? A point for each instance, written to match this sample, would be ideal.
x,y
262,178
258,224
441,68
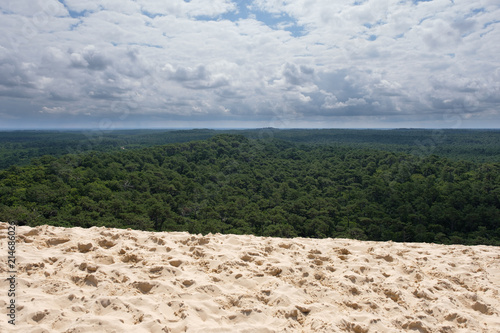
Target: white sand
x,y
111,280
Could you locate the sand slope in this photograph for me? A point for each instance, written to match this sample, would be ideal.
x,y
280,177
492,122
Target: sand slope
x,y
111,280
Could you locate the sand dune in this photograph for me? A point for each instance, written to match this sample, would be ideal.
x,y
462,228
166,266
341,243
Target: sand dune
x,y
111,280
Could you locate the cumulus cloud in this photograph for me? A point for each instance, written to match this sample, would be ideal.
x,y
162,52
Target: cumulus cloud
x,y
192,8
243,62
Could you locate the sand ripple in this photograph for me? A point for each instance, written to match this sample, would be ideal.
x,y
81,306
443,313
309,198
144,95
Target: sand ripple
x,y
111,280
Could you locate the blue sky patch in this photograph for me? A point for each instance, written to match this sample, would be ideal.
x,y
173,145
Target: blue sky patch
x,y
478,10
487,24
281,21
75,14
150,15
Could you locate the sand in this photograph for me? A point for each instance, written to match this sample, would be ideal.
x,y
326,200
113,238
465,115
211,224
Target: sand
x,y
112,280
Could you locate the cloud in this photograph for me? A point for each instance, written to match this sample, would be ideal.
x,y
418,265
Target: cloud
x,y
296,75
89,58
234,61
185,73
331,102
192,8
56,109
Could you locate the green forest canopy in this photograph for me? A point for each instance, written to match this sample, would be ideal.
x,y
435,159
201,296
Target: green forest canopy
x,y
19,147
232,184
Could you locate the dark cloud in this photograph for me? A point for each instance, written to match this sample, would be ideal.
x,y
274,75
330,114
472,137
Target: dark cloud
x,y
228,93
16,74
90,59
60,96
197,78
17,93
186,73
297,75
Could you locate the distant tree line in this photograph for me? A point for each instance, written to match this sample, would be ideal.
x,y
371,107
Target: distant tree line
x,y
19,147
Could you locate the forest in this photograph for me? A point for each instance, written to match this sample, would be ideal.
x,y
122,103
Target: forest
x,y
19,147
379,185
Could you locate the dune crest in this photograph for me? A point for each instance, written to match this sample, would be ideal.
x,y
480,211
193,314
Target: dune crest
x,y
112,280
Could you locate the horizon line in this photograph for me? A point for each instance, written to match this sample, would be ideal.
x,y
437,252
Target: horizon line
x,y
240,128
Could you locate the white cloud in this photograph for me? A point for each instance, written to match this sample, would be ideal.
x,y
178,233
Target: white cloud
x,y
378,58
181,8
56,109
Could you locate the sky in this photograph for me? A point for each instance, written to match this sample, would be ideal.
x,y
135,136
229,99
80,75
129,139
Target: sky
x,y
107,64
